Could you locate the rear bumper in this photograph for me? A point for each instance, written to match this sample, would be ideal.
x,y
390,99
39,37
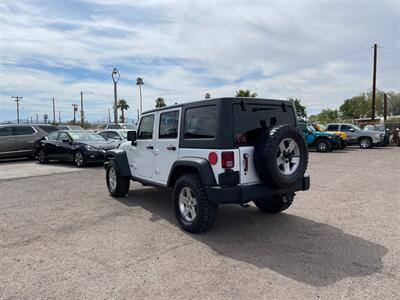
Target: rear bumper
x,y
244,193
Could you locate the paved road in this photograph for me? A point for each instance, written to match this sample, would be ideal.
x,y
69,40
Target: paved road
x,y
62,236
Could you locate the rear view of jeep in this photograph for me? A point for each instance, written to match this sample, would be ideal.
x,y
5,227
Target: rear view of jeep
x,y
212,152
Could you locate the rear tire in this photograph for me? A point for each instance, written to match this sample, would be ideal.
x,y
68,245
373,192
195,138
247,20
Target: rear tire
x,y
194,212
323,145
276,205
117,185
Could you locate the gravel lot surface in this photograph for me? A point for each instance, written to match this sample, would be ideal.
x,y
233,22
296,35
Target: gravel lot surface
x,y
63,236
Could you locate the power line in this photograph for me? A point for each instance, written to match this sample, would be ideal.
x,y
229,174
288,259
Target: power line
x,y
319,63
390,48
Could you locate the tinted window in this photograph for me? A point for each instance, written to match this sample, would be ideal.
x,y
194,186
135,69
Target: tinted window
x,y
23,130
145,131
6,131
48,128
345,127
201,122
333,128
52,136
250,120
63,136
169,125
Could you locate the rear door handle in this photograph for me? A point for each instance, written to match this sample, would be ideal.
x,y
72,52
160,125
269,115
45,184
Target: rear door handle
x,y
150,147
171,148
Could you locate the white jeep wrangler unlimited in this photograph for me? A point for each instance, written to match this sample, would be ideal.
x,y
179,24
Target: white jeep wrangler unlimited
x,y
211,152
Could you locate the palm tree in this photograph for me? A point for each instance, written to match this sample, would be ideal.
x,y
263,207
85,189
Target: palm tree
x,y
245,93
139,82
160,102
123,105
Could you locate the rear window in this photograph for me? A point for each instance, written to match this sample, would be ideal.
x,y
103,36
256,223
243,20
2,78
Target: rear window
x,y
201,122
250,120
48,129
23,130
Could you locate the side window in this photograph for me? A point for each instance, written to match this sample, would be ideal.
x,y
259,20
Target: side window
x,y
201,122
169,125
145,131
23,130
53,136
63,136
113,135
6,131
333,128
345,128
104,134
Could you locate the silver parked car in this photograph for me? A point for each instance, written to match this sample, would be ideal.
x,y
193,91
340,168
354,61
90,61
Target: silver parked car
x,y
365,139
22,140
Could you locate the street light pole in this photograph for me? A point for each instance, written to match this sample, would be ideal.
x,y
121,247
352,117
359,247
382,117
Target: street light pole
x,y
54,112
17,99
75,106
115,77
82,111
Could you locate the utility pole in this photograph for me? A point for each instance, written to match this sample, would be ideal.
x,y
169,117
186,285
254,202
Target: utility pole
x,y
31,120
109,116
37,118
75,106
385,107
59,117
54,112
17,99
82,111
374,83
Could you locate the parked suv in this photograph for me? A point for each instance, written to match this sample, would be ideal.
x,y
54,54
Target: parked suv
x,y
211,152
17,140
365,139
322,141
383,130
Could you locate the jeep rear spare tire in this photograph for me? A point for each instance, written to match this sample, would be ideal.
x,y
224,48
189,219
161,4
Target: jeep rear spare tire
x,y
281,156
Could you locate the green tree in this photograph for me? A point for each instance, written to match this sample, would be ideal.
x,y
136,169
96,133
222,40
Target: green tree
x,y
300,109
123,105
245,93
160,102
325,116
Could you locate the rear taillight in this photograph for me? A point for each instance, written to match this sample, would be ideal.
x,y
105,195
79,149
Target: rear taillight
x,y
213,158
228,159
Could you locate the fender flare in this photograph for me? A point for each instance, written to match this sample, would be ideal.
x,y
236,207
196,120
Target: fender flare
x,y
118,156
202,166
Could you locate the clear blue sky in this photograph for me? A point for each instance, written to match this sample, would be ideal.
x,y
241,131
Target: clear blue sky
x,y
184,49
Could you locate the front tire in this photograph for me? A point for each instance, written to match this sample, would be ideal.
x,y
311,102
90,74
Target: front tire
x,y
79,159
42,157
117,185
365,143
194,212
323,145
276,205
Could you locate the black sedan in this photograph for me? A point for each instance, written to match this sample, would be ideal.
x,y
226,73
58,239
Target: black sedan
x,y
79,146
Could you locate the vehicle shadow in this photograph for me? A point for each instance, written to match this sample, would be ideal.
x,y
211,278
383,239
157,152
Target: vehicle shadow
x,y
304,250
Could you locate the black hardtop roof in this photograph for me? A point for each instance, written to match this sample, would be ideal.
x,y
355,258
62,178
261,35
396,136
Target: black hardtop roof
x,y
216,101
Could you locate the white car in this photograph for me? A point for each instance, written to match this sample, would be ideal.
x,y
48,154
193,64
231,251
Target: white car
x,y
121,126
211,152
